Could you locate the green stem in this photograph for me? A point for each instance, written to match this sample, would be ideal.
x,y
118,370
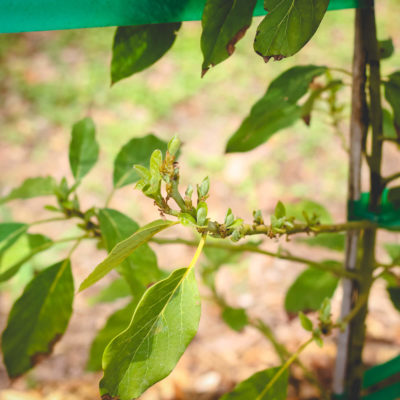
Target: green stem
x,y
253,249
353,313
109,198
342,70
390,178
46,221
280,349
304,228
198,252
284,367
177,196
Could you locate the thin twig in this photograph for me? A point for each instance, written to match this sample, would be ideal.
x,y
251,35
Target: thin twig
x,y
253,249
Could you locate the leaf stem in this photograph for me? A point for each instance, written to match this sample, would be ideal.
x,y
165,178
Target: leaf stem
x,y
390,178
342,70
109,198
284,367
198,252
177,196
46,221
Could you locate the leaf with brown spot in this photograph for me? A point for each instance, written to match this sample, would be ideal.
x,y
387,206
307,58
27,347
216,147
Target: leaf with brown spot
x,y
38,319
224,23
288,26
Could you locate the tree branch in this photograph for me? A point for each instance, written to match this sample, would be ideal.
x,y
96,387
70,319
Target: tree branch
x,y
253,249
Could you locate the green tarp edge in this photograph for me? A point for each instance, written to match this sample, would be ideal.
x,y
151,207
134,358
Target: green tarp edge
x,y
43,15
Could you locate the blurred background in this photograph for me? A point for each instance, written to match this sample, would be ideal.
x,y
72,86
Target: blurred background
x,y
50,80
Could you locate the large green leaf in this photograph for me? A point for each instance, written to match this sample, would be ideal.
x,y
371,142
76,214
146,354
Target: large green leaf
x,y
276,110
294,83
124,249
288,26
83,148
224,23
163,325
38,318
9,234
136,152
254,387
115,324
392,94
137,47
268,116
32,187
23,250
140,268
310,289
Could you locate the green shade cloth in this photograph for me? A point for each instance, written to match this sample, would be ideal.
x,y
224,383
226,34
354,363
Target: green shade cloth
x,y
42,15
387,217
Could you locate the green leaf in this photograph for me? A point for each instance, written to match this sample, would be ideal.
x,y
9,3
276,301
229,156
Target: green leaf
x,y
187,220
117,289
268,116
124,249
305,322
280,210
164,323
393,249
9,234
115,324
392,94
174,145
224,23
38,318
23,250
202,211
136,152
140,268
203,188
394,295
253,387
389,130
331,241
235,318
288,26
136,48
310,289
83,148
386,48
276,110
229,218
30,188
311,209
295,82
